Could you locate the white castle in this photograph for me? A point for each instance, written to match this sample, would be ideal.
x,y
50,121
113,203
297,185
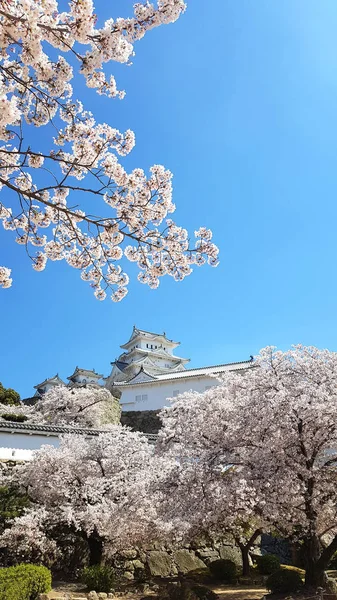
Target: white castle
x,y
147,373
145,376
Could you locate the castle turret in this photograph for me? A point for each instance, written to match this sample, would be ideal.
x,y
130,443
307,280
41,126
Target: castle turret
x,y
146,352
84,377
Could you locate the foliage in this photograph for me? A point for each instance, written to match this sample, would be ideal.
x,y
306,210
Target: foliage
x,y
268,563
79,157
8,396
12,503
223,570
278,421
85,407
24,582
333,562
284,581
100,578
14,418
97,487
27,541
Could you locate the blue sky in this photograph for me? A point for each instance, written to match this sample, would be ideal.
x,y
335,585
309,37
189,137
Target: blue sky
x,y
239,99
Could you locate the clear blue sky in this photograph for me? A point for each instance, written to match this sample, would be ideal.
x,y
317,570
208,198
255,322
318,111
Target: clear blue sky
x,y
239,99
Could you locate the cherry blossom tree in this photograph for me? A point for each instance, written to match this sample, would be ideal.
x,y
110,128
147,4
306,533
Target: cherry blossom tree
x,y
274,428
96,488
199,498
47,185
88,406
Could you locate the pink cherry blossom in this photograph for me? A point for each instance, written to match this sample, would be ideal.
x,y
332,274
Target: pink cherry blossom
x,y
129,218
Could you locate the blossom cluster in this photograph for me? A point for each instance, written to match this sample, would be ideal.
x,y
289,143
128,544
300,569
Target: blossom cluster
x,y
47,190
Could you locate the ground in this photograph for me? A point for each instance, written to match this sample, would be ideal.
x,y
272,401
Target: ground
x,y
225,592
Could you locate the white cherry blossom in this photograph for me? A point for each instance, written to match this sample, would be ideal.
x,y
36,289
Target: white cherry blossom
x,y
129,214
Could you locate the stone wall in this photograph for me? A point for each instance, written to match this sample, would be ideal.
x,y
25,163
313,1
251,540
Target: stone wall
x,y
146,421
160,561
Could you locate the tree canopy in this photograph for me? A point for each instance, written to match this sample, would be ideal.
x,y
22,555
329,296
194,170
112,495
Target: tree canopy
x,y
47,185
8,396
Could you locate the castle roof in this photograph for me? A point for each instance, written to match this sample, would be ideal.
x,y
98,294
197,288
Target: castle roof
x,y
56,379
55,430
87,372
138,333
187,373
160,352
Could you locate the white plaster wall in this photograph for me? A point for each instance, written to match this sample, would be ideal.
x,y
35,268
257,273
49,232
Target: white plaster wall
x,y
25,441
15,454
158,393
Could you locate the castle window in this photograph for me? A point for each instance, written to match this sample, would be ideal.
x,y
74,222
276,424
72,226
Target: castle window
x,y
208,387
175,393
138,398
144,397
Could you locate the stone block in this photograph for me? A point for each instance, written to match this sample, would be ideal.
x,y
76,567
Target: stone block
x,y
129,554
231,553
128,575
187,560
137,564
159,563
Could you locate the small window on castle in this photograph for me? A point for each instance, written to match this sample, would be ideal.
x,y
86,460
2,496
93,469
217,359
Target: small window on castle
x,y
144,397
138,398
175,393
208,387
147,345
84,381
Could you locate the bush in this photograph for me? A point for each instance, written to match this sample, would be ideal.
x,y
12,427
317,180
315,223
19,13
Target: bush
x,y
284,581
223,570
333,562
100,578
24,582
14,418
267,564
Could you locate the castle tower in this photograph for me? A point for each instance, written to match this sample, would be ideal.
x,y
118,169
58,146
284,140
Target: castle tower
x,y
81,377
48,384
148,353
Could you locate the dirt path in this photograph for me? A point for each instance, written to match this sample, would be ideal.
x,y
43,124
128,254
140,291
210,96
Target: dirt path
x,y
240,593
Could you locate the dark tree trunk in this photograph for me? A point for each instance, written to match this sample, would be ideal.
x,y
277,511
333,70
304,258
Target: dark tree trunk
x,y
245,548
95,545
317,561
245,560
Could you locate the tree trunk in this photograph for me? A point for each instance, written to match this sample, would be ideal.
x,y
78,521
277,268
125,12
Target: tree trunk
x,y
245,560
245,548
95,549
317,561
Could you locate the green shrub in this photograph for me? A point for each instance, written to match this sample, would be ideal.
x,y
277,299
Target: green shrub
x,y
14,418
223,570
267,564
284,581
99,578
333,562
24,582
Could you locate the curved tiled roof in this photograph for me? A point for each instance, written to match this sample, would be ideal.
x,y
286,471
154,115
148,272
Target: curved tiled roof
x,y
56,429
187,373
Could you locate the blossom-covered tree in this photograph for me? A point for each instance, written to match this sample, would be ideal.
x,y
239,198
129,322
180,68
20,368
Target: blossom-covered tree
x,y
274,428
96,488
88,406
47,183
